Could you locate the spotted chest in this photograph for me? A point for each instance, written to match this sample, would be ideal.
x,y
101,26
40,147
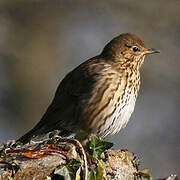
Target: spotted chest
x,y
123,108
120,117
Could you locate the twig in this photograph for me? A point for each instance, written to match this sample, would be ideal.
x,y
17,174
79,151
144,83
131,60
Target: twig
x,y
83,154
40,150
84,158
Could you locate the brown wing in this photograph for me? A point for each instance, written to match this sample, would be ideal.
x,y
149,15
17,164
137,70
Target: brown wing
x,y
72,95
70,98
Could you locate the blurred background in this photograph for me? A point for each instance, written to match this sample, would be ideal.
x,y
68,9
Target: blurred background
x,y
42,40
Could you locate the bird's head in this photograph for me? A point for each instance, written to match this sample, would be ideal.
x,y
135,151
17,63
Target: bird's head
x,y
128,49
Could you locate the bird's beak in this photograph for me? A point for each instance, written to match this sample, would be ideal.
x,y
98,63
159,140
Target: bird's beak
x,y
151,51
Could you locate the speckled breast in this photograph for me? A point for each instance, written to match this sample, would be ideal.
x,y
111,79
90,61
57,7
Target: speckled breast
x,y
123,106
122,113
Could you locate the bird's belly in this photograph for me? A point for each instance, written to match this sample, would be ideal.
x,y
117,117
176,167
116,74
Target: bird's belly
x,y
119,118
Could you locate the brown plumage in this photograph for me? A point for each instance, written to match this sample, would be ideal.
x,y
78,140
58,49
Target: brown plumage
x,y
100,94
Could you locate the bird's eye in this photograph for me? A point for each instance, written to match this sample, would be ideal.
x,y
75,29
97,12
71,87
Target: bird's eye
x,y
135,49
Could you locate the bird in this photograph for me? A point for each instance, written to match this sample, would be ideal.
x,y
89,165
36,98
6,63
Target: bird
x,y
98,96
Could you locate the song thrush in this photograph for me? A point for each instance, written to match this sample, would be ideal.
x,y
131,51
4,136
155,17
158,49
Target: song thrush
x,y
99,95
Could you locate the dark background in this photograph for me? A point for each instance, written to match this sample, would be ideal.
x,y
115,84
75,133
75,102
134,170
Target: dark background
x,y
40,41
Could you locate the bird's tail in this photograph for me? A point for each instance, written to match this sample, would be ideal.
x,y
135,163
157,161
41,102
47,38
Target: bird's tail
x,y
40,129
27,137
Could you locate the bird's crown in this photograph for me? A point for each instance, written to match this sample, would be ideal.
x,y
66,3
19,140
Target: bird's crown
x,y
125,44
127,48
122,44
